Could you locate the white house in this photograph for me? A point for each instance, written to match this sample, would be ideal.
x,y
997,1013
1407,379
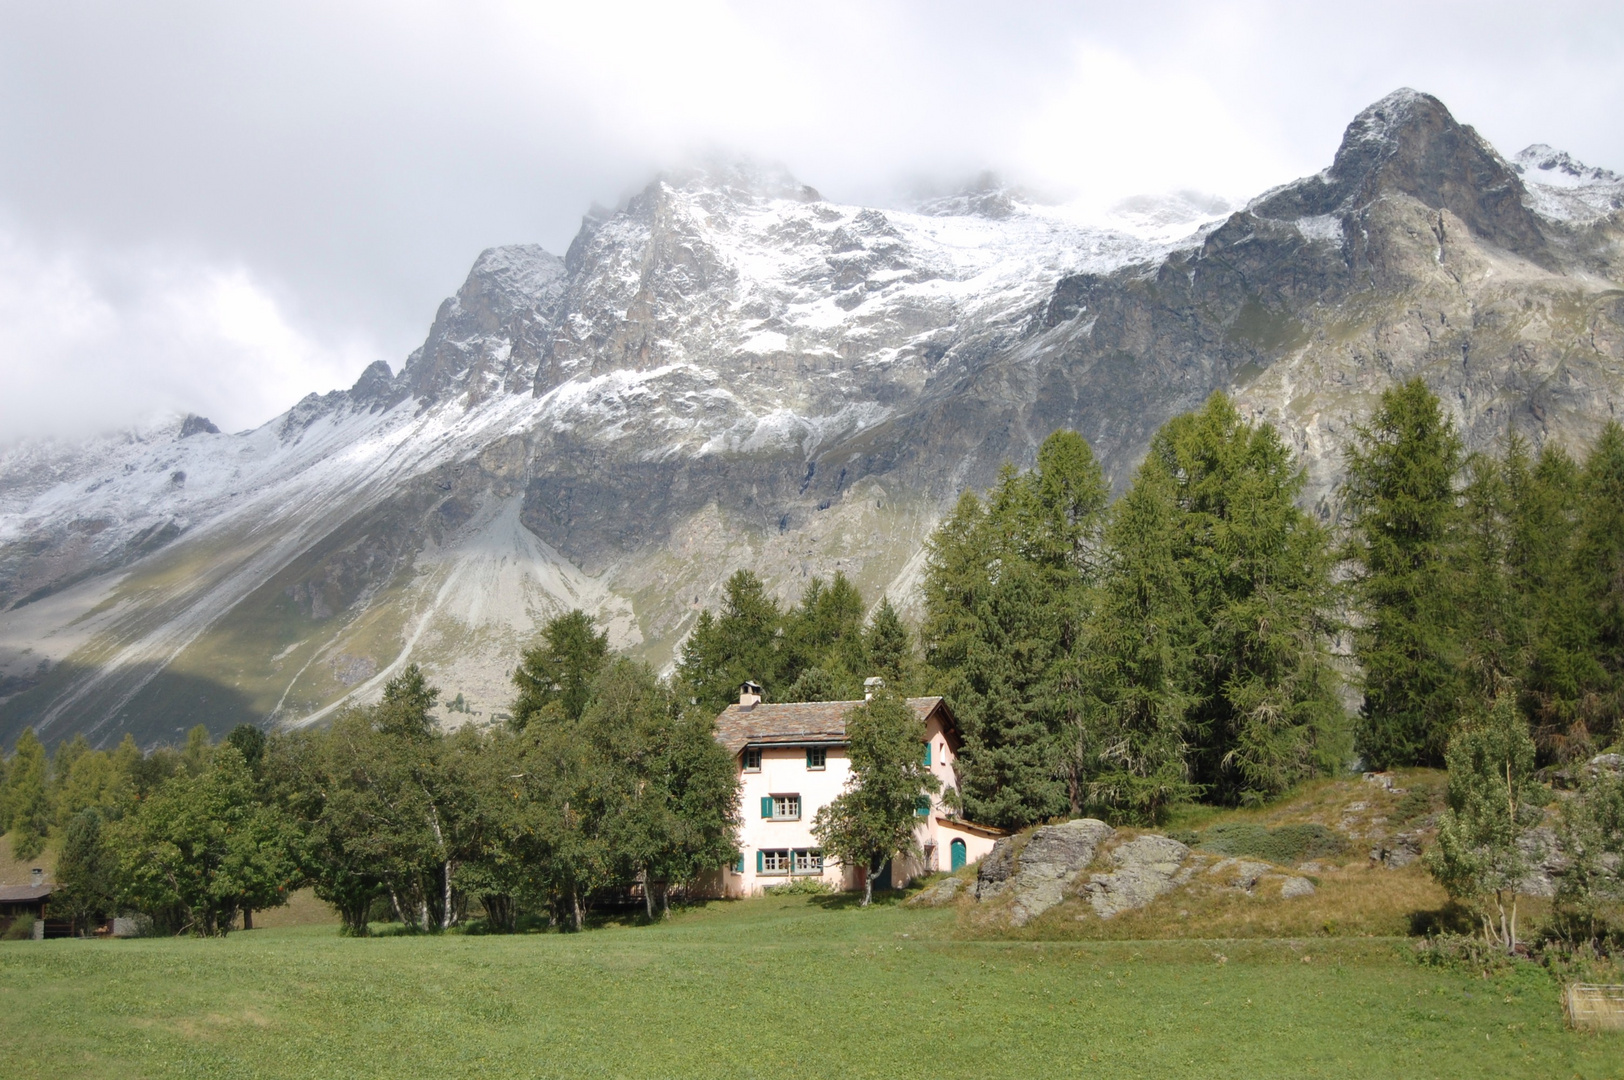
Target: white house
x,y
792,760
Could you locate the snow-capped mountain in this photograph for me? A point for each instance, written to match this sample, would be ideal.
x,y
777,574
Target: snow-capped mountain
x,y
731,371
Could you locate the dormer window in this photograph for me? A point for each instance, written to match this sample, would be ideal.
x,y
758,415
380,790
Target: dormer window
x,y
752,759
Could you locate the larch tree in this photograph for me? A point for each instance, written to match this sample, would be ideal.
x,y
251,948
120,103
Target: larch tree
x,y
1266,713
558,671
25,803
1129,744
1402,518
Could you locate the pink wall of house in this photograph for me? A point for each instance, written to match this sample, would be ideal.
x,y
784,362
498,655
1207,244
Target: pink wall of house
x,y
778,850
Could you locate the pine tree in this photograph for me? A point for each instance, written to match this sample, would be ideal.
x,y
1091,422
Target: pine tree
x,y
1129,744
739,645
27,805
888,646
1599,579
557,672
824,632
1007,593
1403,514
1258,571
1543,494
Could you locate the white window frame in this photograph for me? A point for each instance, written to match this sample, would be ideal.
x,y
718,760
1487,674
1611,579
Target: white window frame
x,y
807,862
776,861
752,754
782,806
820,754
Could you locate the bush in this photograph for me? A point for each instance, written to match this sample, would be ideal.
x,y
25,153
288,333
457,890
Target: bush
x,y
803,887
1420,800
1284,846
1460,952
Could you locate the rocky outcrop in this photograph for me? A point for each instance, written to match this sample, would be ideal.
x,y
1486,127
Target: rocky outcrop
x,y
1037,876
1146,868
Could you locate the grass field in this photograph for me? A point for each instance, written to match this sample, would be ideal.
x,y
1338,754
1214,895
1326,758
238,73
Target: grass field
x,y
787,986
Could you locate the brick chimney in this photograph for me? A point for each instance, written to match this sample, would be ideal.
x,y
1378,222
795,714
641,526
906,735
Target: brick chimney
x,y
871,686
749,694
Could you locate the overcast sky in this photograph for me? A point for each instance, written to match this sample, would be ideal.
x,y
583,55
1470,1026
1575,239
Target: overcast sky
x,y
221,207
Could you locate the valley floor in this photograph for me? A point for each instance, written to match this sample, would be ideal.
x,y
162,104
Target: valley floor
x,y
784,986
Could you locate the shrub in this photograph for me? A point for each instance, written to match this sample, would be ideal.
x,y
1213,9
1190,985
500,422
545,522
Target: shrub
x,y
1286,845
803,887
1460,952
1420,800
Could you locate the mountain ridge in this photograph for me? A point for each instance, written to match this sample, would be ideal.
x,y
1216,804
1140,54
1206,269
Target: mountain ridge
x,y
730,371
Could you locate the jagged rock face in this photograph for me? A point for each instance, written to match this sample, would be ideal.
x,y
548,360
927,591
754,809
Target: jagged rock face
x,y
731,371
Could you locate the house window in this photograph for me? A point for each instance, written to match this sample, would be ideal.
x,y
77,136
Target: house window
x,y
927,754
817,757
786,807
772,861
752,759
922,806
808,860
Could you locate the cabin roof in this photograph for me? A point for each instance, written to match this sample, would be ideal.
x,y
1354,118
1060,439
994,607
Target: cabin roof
x,y
793,723
15,894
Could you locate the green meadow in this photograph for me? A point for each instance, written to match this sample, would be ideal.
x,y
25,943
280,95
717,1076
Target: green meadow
x,y
780,987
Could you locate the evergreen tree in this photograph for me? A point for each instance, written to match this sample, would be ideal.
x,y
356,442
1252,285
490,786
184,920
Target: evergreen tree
x,y
1403,514
740,645
1007,593
888,646
25,803
198,752
1258,572
1557,664
825,631
1128,748
557,673
1599,581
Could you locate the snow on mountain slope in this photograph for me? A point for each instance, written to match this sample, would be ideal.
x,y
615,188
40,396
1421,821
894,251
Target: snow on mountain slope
x,y
729,371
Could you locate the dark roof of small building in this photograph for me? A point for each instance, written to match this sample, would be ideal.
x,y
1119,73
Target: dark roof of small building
x,y
795,722
15,894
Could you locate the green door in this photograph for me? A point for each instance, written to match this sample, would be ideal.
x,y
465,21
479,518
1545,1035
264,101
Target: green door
x,y
957,848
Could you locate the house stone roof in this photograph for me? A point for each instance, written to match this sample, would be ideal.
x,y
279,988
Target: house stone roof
x,y
793,723
15,894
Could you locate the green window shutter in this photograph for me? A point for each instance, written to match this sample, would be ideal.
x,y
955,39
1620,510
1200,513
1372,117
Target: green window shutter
x,y
738,867
922,806
758,860
927,754
766,806
809,757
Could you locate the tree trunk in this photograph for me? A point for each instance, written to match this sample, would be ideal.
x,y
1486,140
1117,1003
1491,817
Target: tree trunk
x,y
247,918
665,899
394,902
868,884
447,917
575,901
648,894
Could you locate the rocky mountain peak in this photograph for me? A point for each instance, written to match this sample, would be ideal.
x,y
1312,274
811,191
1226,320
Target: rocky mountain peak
x,y
1409,144
1541,164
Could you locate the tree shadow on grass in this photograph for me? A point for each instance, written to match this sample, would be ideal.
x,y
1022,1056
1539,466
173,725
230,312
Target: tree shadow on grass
x,y
845,901
1452,918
